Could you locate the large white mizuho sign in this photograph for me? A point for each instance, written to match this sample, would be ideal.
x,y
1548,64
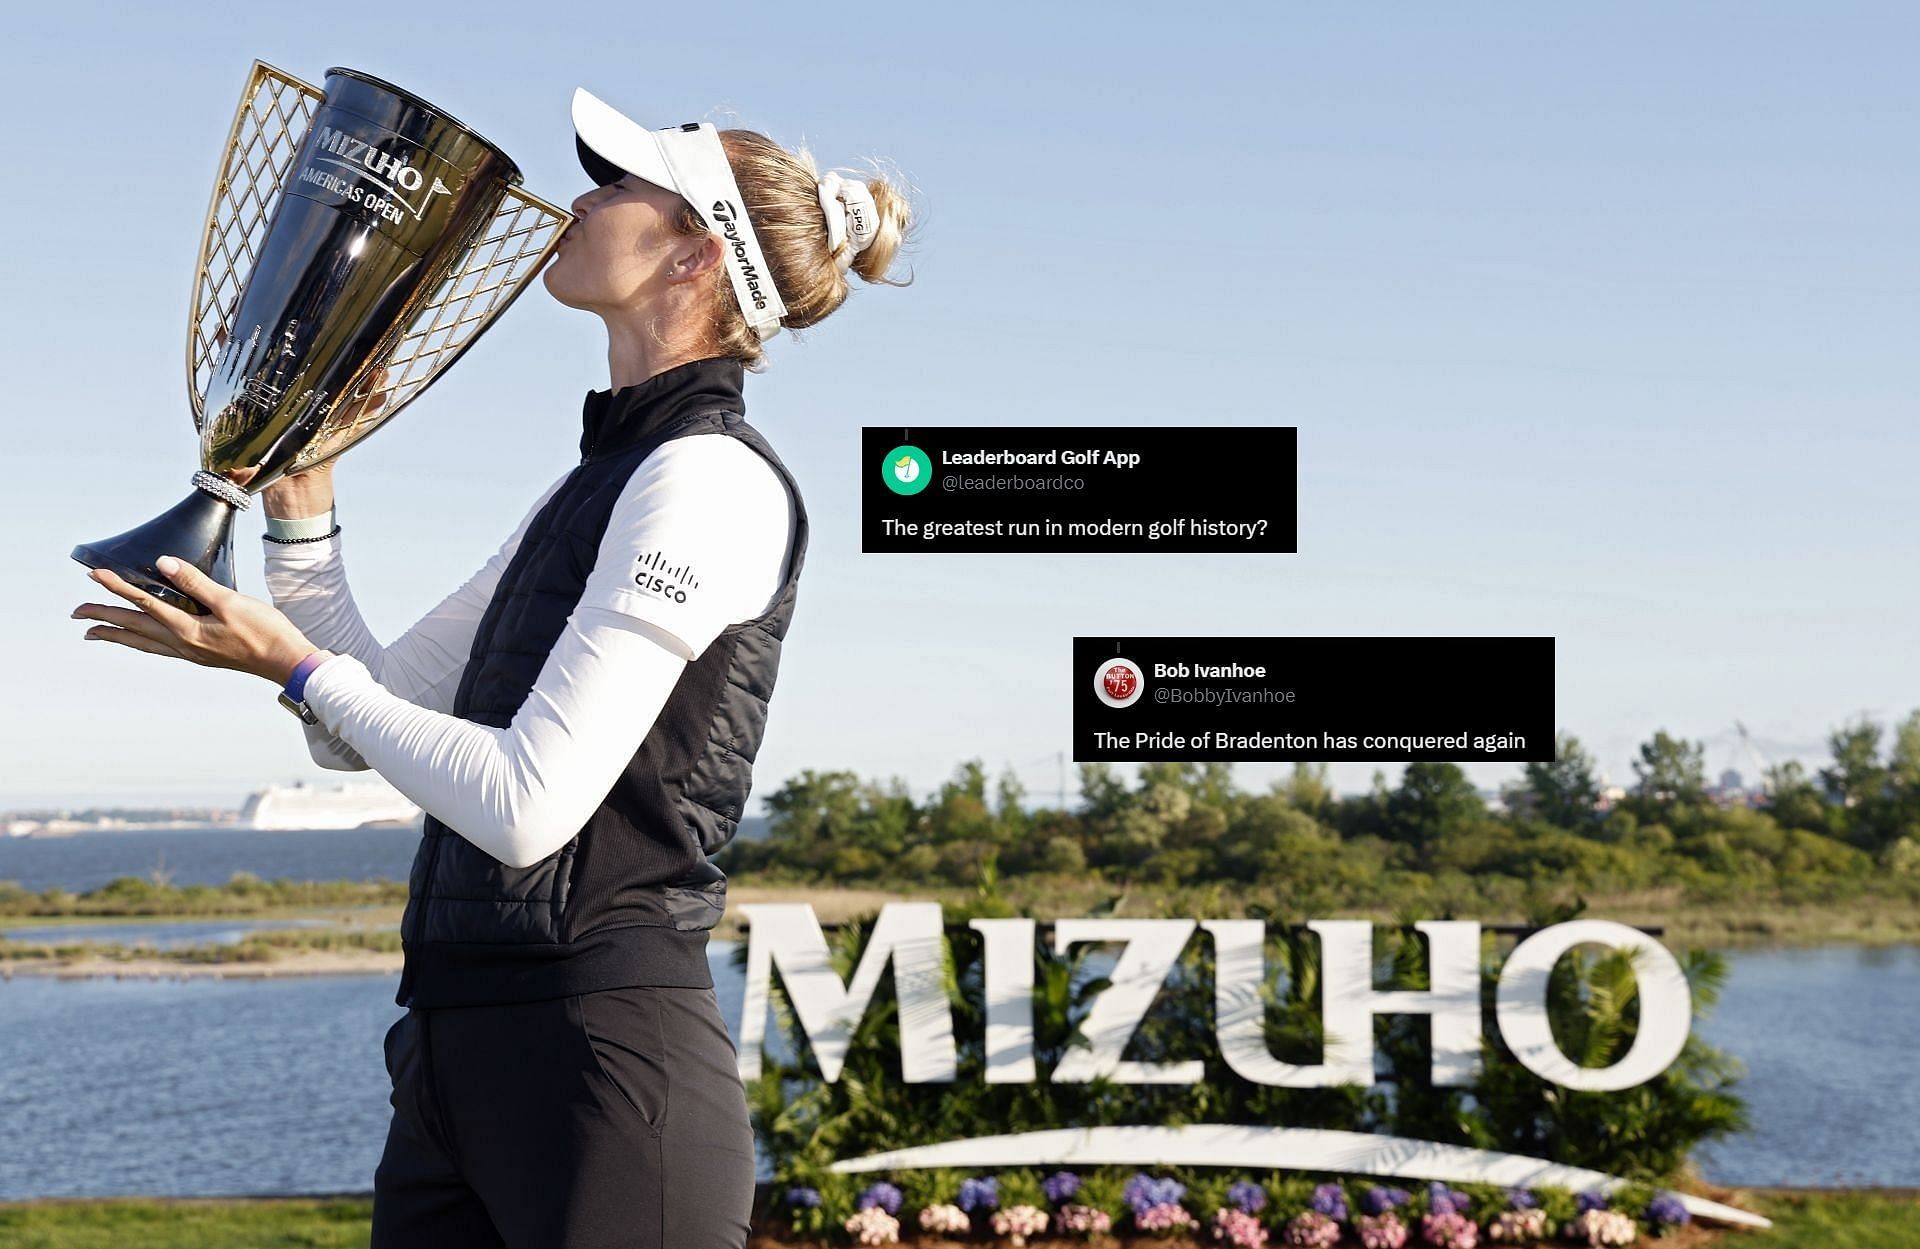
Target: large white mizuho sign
x,y
909,936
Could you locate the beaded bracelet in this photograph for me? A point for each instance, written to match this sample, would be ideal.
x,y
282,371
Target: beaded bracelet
x,y
295,541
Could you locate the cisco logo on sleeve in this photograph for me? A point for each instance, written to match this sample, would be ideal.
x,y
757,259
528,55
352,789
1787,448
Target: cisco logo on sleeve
x,y
654,575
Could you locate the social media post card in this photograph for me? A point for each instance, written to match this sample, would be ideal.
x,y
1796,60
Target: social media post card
x,y
1082,489
1313,699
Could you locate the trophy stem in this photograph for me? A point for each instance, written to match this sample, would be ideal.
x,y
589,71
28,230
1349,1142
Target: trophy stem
x,y
198,529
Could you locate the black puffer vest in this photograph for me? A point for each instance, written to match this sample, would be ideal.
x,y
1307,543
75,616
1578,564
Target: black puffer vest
x,y
629,900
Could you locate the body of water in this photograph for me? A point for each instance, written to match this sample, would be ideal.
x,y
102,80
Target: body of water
x,y
201,1087
164,935
1825,1034
206,856
210,856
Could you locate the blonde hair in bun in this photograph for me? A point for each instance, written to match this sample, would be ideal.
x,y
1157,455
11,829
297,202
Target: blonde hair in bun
x,y
781,190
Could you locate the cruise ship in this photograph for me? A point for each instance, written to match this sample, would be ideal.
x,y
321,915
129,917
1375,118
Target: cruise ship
x,y
345,804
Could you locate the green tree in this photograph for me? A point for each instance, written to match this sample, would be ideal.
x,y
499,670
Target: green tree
x,y
1856,775
1433,801
1903,761
1308,789
1101,792
1793,799
1272,841
1206,783
1564,791
1009,806
1903,778
960,811
1859,783
1671,770
831,824
814,807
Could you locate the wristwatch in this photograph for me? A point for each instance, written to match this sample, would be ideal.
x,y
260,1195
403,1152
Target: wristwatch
x,y
293,697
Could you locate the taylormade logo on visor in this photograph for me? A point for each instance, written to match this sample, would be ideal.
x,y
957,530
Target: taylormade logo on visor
x,y
728,216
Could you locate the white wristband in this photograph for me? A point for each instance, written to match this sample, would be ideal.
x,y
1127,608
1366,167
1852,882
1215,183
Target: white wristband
x,y
304,527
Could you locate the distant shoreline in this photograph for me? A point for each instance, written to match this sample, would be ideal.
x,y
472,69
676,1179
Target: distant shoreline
x,y
57,829
349,948
317,963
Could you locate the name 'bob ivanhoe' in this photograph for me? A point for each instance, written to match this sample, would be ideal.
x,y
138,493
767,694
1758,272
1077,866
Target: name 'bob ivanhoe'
x,y
911,937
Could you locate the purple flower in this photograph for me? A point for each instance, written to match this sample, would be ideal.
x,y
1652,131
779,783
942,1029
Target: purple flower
x,y
1522,1199
1380,1200
1444,1200
1248,1197
884,1195
1592,1199
1143,1192
1060,1186
979,1194
1667,1208
806,1198
1330,1200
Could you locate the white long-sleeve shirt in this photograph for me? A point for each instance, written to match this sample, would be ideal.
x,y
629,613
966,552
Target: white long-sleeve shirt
x,y
706,506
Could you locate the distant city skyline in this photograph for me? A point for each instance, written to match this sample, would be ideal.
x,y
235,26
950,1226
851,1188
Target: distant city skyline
x,y
1594,322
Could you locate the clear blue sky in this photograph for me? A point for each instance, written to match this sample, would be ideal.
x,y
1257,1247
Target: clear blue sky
x,y
1596,321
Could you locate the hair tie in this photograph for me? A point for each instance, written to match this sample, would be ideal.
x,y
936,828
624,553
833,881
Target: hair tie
x,y
852,217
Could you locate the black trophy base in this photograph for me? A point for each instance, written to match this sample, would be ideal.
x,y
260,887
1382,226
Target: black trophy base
x,y
198,529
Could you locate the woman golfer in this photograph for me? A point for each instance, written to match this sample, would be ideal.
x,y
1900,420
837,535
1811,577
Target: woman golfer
x,y
579,720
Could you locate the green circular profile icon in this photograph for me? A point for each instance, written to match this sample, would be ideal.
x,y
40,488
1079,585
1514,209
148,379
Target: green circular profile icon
x,y
906,469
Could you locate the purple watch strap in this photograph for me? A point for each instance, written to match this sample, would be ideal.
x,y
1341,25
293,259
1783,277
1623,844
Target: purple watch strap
x,y
297,683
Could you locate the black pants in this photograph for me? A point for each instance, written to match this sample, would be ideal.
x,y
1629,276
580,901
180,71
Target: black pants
x,y
606,1120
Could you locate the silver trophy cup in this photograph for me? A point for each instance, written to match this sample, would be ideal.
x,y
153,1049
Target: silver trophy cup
x,y
358,240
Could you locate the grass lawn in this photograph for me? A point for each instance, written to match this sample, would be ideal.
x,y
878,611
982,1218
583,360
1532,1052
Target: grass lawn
x,y
1862,1220
1810,1220
182,1223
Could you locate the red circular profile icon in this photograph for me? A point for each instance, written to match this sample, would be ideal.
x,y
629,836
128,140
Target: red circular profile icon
x,y
1119,682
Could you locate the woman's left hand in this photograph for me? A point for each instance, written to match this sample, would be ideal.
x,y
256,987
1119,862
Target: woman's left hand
x,y
241,633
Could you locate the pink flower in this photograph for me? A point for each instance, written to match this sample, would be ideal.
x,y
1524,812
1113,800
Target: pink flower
x,y
1603,1227
1449,1231
1019,1222
1314,1229
1518,1226
1238,1228
1164,1217
1381,1231
1083,1219
874,1226
945,1218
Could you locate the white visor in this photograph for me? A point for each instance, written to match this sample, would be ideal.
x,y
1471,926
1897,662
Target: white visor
x,y
689,161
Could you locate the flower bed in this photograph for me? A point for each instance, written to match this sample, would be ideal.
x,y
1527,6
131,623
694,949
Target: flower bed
x,y
1106,1207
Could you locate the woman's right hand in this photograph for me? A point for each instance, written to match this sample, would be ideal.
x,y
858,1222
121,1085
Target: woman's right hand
x,y
295,496
310,493
299,495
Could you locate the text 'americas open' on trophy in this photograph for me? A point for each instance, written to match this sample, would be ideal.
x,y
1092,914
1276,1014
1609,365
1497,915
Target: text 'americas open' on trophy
x,y
358,241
